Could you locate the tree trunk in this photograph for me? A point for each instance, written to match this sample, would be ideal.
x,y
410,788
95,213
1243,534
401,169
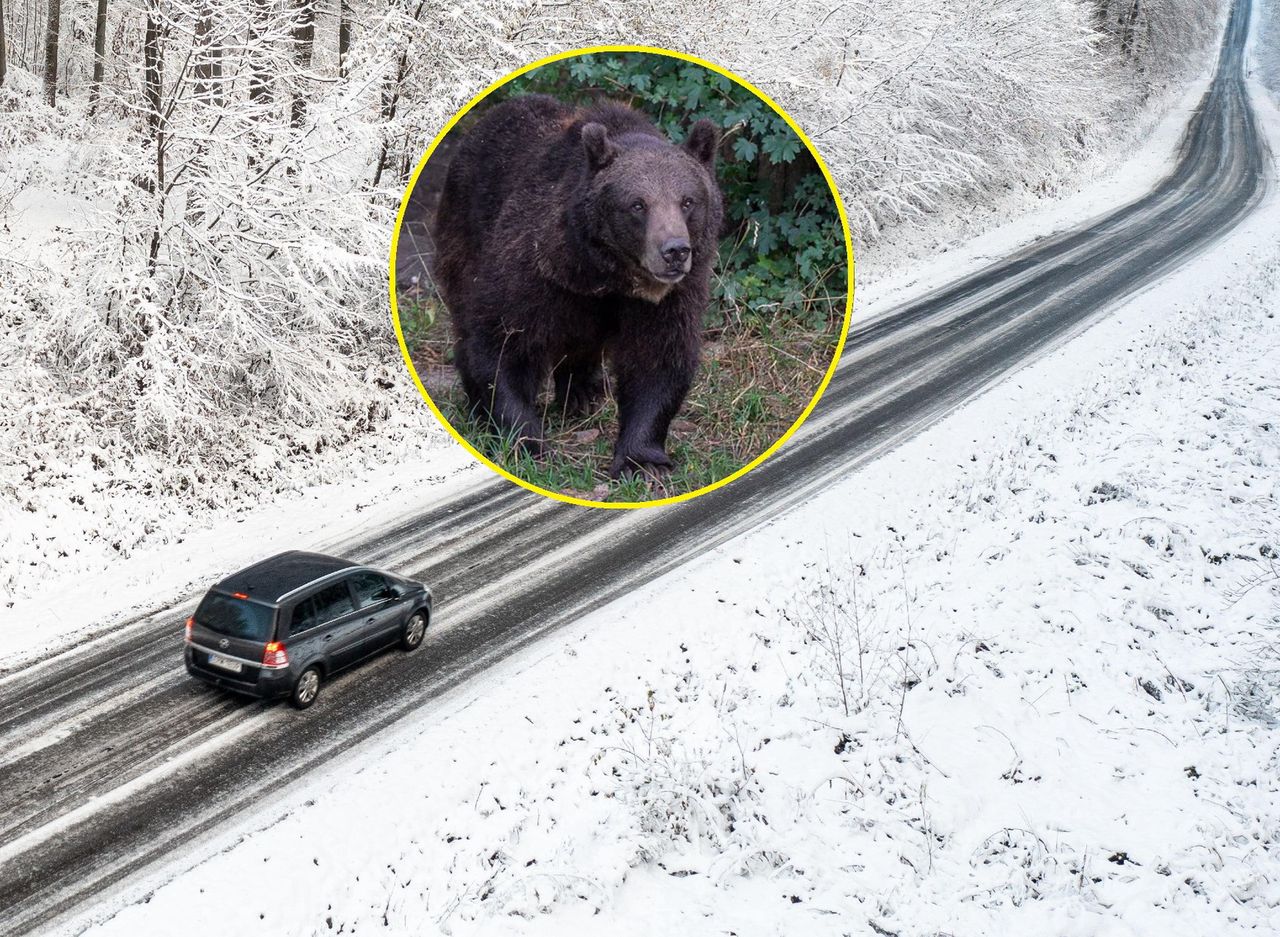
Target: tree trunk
x,y
391,97
208,97
25,41
151,66
153,85
51,51
304,34
259,93
99,54
4,61
344,36
208,68
1130,27
259,75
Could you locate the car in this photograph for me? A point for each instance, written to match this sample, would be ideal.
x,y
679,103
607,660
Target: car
x,y
281,627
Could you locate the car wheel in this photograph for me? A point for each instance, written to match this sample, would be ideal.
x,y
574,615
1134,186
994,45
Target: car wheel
x,y
414,631
306,689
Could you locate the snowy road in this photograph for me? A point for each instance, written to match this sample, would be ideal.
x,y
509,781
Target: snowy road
x,y
110,758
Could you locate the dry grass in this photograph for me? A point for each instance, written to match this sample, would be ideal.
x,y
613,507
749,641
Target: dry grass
x,y
759,371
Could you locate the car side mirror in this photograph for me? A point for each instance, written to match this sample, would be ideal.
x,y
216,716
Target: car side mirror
x,y
388,592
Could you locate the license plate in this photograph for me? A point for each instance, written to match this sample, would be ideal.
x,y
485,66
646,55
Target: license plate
x,y
233,665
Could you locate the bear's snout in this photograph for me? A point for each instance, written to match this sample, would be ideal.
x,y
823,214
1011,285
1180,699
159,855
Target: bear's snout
x,y
669,255
675,251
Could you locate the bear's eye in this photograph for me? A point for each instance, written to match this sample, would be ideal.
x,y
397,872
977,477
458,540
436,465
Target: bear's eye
x,y
687,203
637,206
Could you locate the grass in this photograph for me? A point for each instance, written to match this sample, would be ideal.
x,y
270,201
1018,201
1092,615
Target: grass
x,y
760,368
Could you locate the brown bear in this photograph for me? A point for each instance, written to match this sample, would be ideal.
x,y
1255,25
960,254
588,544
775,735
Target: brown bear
x,y
569,237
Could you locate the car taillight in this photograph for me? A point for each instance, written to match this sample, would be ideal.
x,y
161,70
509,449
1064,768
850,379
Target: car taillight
x,y
274,655
191,623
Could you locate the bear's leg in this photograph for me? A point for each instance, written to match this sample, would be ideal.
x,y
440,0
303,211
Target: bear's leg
x,y
511,397
466,374
654,358
579,385
654,364
646,407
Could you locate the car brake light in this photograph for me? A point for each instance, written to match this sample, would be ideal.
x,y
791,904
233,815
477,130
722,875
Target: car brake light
x,y
238,595
275,656
191,623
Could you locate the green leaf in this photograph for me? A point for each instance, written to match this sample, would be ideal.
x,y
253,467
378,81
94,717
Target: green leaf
x,y
782,148
745,149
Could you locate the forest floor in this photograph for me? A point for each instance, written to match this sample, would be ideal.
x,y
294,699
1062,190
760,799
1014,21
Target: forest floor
x,y
756,377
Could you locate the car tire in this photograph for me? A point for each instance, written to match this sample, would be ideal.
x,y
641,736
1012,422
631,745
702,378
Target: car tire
x,y
306,688
415,629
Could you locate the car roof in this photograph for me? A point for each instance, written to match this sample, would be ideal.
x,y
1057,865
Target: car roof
x,y
277,576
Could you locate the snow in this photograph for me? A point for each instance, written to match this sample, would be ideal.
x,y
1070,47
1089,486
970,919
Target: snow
x,y
1063,693
1063,717
1264,64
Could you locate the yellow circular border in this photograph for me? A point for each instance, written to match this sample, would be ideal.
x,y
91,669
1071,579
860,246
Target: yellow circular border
x,y
849,262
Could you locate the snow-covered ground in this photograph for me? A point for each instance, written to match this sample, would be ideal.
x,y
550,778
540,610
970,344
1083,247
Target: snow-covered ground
x,y
1057,618
368,486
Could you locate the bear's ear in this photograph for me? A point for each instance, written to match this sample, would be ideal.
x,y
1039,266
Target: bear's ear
x,y
600,149
702,142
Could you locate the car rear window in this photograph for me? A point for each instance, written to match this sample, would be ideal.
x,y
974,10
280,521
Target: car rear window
x,y
236,618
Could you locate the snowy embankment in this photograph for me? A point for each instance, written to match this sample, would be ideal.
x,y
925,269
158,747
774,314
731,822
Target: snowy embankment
x,y
1021,675
144,399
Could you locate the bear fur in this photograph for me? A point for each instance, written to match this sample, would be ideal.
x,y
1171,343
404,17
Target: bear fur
x,y
570,237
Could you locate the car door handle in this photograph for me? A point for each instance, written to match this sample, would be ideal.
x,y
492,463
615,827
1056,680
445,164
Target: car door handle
x,y
328,637
369,620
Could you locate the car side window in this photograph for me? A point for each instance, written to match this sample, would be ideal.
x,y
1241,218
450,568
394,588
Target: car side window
x,y
304,617
332,602
368,588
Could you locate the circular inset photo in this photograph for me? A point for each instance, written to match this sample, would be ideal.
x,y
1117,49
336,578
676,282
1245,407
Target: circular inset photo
x,y
621,277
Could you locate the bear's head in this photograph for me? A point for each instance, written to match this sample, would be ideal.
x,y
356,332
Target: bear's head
x,y
654,206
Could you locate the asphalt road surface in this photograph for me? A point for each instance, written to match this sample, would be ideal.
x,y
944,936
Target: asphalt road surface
x,y
111,758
